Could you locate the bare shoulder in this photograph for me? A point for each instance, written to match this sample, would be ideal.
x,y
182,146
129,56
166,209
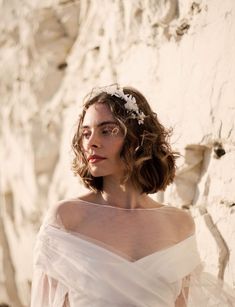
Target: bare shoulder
x,y
183,223
69,213
90,197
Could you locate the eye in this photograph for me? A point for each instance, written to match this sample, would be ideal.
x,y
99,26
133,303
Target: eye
x,y
110,130
107,131
86,134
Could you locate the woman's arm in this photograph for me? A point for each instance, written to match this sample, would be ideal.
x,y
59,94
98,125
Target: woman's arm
x,y
47,291
186,229
182,299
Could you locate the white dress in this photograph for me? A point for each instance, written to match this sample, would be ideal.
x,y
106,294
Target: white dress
x,y
72,268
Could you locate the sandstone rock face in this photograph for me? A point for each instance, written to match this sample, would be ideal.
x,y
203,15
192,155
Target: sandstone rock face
x,y
180,54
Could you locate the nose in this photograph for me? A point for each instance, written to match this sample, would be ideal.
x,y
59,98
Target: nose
x,y
94,141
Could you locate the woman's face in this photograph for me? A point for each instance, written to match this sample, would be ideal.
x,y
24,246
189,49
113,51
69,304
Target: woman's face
x,y
102,141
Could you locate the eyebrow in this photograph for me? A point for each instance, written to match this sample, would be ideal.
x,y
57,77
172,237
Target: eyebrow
x,y
102,124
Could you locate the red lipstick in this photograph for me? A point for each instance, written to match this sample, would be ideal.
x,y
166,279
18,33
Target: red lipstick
x,y
95,158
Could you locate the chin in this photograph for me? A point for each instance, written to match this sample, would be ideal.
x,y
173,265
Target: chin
x,y
98,173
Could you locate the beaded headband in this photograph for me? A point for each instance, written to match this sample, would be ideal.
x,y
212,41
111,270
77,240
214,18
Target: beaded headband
x,y
130,105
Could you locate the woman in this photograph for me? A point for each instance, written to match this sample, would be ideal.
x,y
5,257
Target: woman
x,y
116,246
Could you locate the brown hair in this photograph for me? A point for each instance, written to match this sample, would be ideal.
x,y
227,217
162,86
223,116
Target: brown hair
x,y
147,155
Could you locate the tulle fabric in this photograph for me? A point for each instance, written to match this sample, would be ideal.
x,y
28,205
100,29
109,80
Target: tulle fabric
x,y
207,290
73,270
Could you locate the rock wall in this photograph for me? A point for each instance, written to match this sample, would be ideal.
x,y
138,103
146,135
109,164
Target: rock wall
x,y
180,54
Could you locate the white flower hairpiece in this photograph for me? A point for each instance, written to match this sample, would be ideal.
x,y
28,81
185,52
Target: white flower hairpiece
x,y
130,104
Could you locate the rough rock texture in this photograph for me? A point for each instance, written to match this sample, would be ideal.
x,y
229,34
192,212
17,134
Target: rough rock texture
x,y
180,54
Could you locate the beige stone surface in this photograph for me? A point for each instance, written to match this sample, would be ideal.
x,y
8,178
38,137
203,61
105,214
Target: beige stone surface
x,y
180,54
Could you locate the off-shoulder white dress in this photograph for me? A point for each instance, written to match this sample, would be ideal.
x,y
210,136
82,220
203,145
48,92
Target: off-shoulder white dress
x,y
89,268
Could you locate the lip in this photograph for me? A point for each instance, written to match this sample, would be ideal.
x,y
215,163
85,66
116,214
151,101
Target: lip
x,y
95,158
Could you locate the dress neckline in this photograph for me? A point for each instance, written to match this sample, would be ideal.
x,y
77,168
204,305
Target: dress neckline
x,y
113,252
127,209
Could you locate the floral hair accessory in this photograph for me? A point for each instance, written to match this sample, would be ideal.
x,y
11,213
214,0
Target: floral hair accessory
x,y
130,105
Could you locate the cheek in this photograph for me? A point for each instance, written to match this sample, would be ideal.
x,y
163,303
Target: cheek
x,y
117,147
83,150
83,145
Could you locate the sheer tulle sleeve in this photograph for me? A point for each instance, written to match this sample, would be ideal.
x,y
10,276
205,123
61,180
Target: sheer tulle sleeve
x,y
201,288
46,290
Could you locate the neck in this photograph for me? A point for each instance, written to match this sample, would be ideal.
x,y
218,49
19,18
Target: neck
x,y
121,195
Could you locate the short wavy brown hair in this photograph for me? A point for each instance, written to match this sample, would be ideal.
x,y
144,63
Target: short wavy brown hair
x,y
147,154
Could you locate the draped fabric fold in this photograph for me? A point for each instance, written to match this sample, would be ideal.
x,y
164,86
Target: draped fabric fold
x,y
207,290
72,268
